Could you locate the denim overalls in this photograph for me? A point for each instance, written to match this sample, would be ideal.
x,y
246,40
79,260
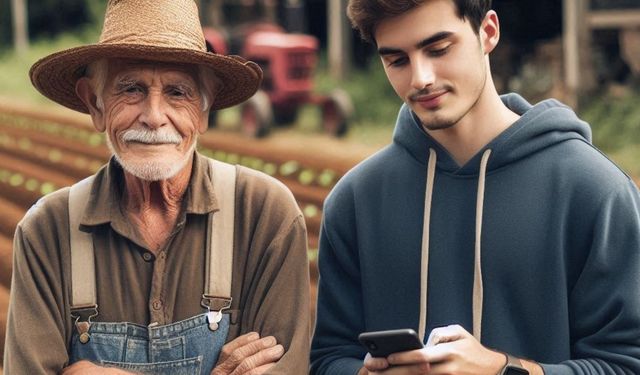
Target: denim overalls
x,y
186,347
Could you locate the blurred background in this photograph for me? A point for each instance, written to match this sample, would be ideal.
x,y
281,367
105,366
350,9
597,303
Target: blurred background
x,y
325,103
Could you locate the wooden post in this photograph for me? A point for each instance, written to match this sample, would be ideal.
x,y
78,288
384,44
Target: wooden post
x,y
294,20
270,10
587,72
20,25
571,35
338,39
215,14
627,21
203,8
578,68
630,48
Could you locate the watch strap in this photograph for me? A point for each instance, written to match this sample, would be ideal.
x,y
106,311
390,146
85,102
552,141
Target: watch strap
x,y
513,363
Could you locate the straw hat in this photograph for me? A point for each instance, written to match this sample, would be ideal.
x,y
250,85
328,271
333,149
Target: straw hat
x,y
153,30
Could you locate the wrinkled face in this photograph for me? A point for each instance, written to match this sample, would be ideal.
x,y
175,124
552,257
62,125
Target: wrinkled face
x,y
152,116
434,61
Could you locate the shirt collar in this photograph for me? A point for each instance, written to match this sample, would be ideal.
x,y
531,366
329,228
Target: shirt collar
x,y
104,205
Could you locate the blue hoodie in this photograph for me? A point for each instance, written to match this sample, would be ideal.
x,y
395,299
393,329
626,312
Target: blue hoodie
x,y
558,258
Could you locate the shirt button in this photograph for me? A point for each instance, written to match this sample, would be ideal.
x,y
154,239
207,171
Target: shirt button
x,y
157,305
148,257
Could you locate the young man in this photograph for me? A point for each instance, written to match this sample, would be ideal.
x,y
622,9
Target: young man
x,y
492,227
164,261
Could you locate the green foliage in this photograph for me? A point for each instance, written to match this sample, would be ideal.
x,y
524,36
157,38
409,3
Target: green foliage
x,y
615,122
14,68
96,9
375,103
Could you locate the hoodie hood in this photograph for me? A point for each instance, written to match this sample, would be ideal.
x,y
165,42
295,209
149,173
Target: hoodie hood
x,y
545,124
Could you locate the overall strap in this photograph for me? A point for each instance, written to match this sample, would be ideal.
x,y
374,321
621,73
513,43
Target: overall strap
x,y
219,256
83,280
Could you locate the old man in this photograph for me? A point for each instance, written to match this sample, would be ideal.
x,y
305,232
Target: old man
x,y
163,262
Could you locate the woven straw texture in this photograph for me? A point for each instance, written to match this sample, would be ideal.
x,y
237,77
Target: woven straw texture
x,y
150,30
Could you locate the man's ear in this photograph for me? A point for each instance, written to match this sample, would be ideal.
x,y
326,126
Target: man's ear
x,y
489,31
204,122
84,90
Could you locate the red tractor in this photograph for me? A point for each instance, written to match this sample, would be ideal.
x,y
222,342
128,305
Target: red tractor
x,y
288,62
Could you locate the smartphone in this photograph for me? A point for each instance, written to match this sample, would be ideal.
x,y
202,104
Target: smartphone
x,y
384,343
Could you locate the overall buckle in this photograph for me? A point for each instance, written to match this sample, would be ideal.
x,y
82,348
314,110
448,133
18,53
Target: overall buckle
x,y
215,305
82,316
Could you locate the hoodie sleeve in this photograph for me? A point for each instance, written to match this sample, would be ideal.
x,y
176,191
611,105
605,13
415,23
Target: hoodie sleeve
x,y
605,302
335,349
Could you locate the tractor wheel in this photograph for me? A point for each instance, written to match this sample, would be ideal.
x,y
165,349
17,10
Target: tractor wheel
x,y
337,110
256,115
213,119
285,115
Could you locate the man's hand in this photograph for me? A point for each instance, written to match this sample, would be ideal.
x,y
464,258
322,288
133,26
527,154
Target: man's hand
x,y
248,354
373,365
449,350
89,368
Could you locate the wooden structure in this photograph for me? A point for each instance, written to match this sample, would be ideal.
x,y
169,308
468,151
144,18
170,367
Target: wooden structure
x,y
20,25
339,37
579,22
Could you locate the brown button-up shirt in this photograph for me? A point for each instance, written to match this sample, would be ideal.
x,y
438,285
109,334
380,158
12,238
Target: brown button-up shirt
x,y
270,287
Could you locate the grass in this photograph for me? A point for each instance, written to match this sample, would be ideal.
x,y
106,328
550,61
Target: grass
x,y
14,68
615,122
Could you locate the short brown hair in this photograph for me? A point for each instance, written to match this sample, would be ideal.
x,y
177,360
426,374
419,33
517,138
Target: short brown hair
x,y
365,15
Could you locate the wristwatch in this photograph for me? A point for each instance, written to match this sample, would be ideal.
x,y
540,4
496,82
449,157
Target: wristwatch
x,y
513,367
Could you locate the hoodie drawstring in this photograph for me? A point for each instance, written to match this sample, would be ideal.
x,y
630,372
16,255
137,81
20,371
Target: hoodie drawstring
x,y
478,291
424,264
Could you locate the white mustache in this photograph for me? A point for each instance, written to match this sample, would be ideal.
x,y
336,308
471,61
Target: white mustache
x,y
163,135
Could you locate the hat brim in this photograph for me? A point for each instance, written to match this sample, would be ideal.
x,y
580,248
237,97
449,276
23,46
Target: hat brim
x,y
55,76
